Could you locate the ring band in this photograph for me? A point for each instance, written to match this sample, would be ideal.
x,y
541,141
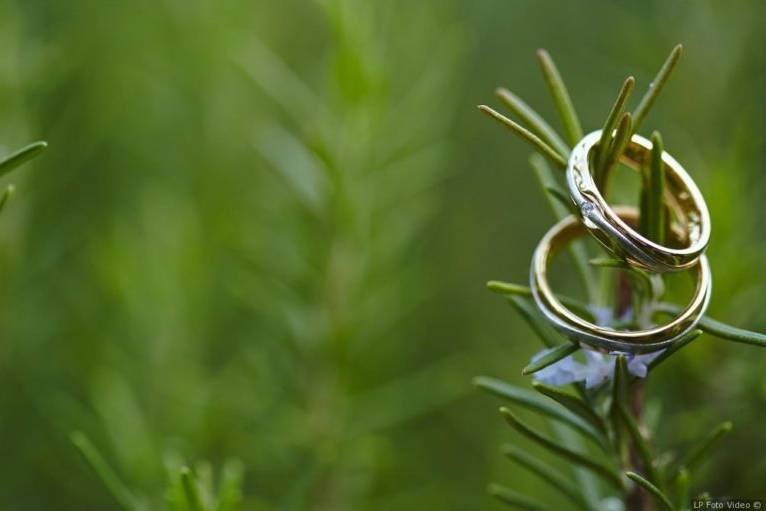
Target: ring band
x,y
682,195
578,329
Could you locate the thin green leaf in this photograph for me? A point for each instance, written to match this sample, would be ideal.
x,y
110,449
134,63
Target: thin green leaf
x,y
588,483
655,189
640,443
608,474
561,98
527,136
609,125
551,357
682,485
697,455
514,499
122,495
651,489
531,315
656,87
203,472
534,402
279,82
621,379
643,204
536,123
7,194
21,156
718,329
612,158
508,288
730,333
230,488
295,162
571,403
191,490
563,199
680,343
546,179
553,477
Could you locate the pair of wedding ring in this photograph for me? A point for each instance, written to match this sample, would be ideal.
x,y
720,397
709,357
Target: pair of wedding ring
x,y
615,229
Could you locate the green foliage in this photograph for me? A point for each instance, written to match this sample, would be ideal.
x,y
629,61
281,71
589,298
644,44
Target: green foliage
x,y
258,228
617,415
551,357
652,489
21,156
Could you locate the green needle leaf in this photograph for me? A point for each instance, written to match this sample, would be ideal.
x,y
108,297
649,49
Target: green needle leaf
x,y
21,156
230,488
122,495
718,329
571,403
680,343
9,190
514,499
551,357
534,402
642,447
546,179
621,378
563,199
561,98
651,489
697,455
682,485
730,333
656,87
547,473
531,315
621,137
545,332
537,124
505,288
191,491
508,288
609,125
654,186
526,135
605,472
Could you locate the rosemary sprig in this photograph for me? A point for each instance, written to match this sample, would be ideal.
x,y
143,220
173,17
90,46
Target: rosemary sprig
x,y
611,121
560,96
612,420
640,112
537,124
526,135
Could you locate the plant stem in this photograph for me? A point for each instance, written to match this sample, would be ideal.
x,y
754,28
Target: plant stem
x,y
637,499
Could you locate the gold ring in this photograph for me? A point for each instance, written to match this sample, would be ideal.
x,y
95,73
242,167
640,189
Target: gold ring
x,y
579,329
682,195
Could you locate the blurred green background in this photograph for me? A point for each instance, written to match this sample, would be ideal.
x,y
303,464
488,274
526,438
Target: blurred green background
x,y
262,230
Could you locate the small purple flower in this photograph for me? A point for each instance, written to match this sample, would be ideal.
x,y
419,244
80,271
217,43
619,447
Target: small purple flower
x,y
563,372
597,369
638,365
